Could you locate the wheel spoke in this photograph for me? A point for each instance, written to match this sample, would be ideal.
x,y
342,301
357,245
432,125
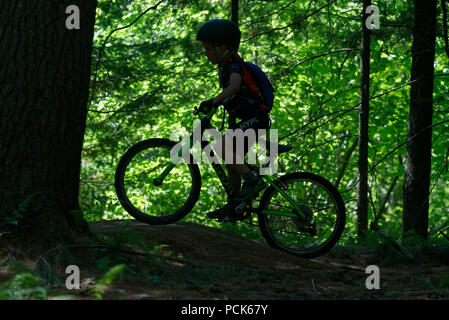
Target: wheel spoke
x,y
323,210
150,202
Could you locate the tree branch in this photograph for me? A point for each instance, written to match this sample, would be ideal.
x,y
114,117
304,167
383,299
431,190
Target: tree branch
x,y
355,107
342,64
407,141
326,142
263,19
314,57
345,162
316,119
447,159
291,24
385,200
104,44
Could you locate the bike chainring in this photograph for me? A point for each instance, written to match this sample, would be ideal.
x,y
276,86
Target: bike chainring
x,y
239,212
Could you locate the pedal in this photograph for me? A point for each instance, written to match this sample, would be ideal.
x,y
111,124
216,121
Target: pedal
x,y
247,200
229,219
240,208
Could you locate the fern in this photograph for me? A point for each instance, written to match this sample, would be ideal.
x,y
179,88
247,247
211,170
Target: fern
x,y
99,288
18,213
23,286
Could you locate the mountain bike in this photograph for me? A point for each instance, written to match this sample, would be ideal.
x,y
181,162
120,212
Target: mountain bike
x,y
300,212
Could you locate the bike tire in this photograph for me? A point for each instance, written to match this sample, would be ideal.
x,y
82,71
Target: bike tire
x,y
275,238
151,217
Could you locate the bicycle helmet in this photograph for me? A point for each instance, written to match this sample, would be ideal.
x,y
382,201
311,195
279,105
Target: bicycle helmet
x,y
220,31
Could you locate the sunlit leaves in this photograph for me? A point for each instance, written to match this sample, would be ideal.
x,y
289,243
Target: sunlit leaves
x,y
154,71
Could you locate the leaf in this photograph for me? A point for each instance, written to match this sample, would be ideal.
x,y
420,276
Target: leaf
x,y
97,291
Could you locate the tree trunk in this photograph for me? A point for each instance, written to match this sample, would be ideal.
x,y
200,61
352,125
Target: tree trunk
x,y
362,189
235,18
44,84
418,154
235,11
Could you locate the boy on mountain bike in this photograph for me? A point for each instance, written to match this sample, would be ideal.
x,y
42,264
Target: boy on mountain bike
x,y
240,97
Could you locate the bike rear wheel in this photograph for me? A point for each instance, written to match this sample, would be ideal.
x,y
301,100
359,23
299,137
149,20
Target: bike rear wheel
x,y
324,209
141,197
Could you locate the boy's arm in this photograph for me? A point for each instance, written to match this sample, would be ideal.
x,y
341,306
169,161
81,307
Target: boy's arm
x,y
233,88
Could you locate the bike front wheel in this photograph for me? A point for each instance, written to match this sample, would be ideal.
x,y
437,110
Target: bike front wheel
x,y
324,211
150,202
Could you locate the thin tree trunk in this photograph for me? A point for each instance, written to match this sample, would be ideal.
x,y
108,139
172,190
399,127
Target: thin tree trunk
x,y
234,18
387,196
362,190
445,32
418,155
44,84
235,11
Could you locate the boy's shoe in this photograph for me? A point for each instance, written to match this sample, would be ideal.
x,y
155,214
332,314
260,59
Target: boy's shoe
x,y
250,189
219,214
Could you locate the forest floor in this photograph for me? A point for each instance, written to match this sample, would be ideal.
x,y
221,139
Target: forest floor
x,y
193,262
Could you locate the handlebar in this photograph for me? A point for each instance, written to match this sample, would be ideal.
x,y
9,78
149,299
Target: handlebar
x,y
208,114
203,116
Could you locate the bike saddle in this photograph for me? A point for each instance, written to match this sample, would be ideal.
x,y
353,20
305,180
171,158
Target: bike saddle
x,y
284,148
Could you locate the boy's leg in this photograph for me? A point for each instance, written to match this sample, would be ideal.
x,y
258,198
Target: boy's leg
x,y
234,175
253,184
234,178
234,168
235,172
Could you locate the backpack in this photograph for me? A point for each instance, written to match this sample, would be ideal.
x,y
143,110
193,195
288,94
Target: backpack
x,y
258,82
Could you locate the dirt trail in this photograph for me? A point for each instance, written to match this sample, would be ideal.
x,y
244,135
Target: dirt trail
x,y
209,263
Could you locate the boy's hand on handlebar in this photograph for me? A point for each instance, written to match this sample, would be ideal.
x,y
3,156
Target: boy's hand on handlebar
x,y
206,106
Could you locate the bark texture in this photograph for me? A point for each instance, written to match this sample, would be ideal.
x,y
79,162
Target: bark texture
x,y
419,148
44,84
362,188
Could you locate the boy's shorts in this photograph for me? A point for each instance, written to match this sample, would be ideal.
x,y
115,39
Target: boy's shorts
x,y
255,123
252,117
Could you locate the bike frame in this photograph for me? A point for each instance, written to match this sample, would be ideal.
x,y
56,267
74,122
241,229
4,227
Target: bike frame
x,y
218,168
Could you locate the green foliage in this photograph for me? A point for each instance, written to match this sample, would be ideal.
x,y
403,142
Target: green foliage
x,y
381,245
439,284
28,283
14,219
126,238
386,248
151,73
444,282
250,231
129,249
23,286
98,290
46,272
17,214
412,239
